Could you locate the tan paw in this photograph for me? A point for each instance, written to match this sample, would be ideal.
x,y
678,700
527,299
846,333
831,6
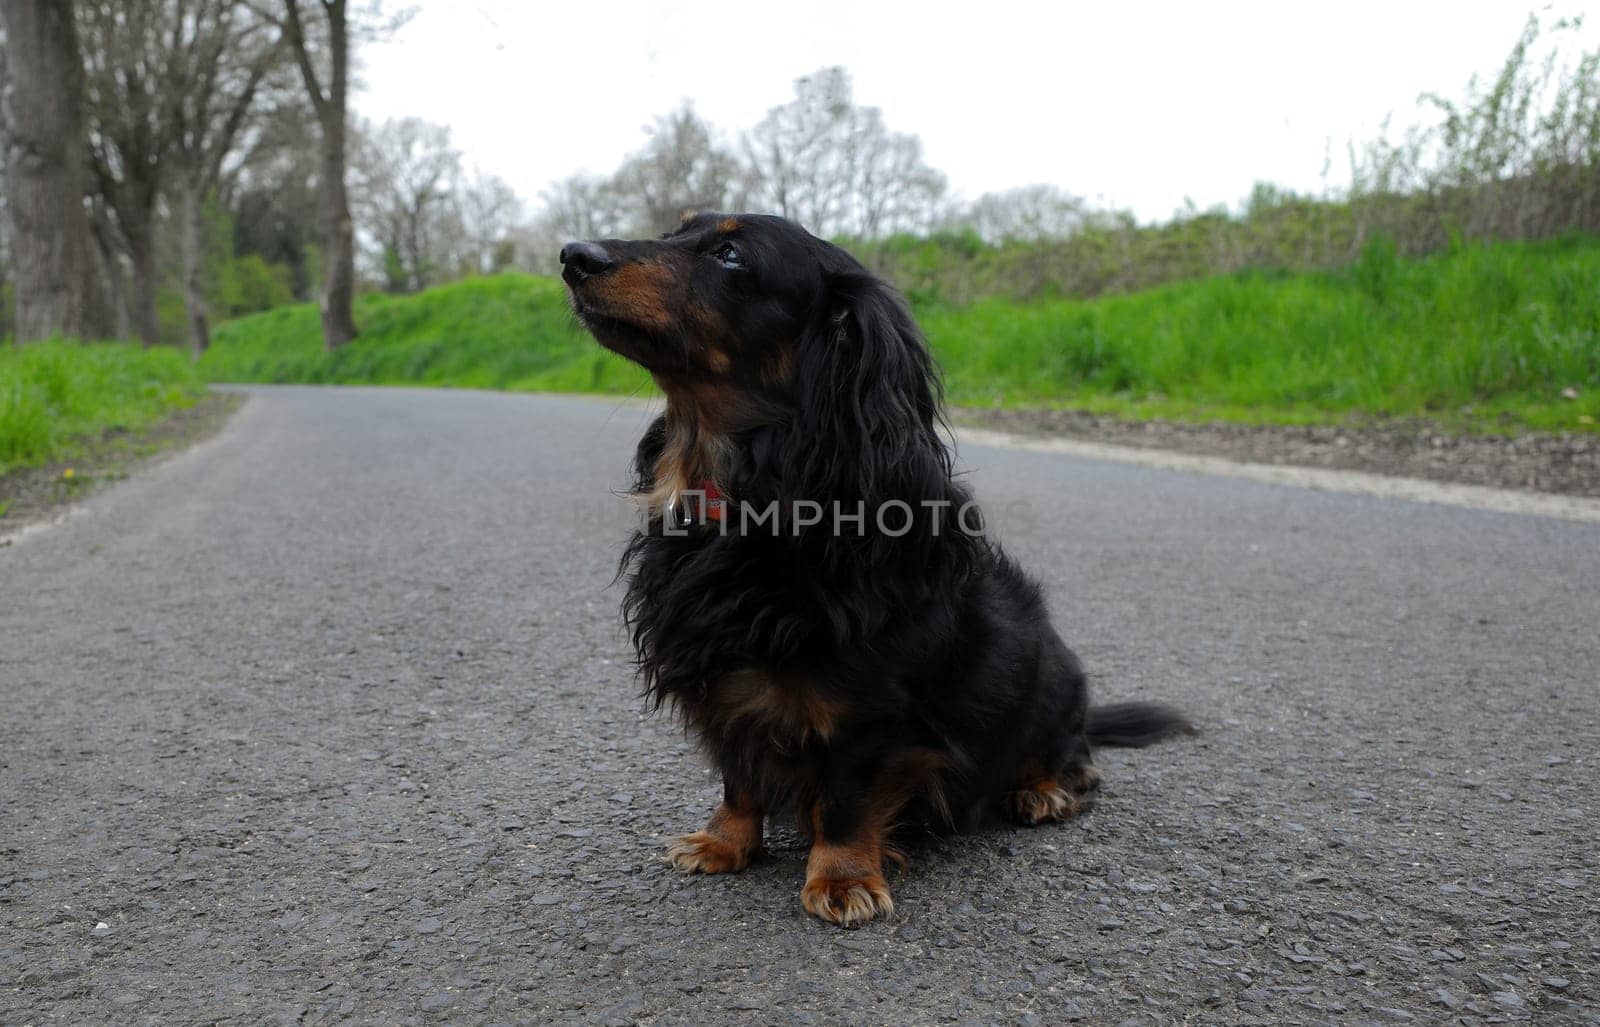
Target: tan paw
x,y
703,853
848,900
1044,801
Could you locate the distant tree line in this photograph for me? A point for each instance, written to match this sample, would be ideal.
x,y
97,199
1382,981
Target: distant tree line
x,y
170,162
820,159
1517,157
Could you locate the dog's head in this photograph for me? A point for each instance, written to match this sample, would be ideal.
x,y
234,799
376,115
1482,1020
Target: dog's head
x,y
723,298
751,325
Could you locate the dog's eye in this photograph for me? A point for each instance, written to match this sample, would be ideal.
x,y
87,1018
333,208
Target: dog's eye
x,y
728,256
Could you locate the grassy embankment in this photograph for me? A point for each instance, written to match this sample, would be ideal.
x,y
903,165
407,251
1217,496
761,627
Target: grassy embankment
x,y
58,398
1484,337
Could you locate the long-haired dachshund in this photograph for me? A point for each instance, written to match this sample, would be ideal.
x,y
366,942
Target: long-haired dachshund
x,y
812,588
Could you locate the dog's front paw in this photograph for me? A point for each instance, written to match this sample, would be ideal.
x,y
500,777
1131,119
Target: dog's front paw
x,y
847,900
705,853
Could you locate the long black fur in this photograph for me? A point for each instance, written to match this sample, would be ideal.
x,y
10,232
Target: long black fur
x,y
937,646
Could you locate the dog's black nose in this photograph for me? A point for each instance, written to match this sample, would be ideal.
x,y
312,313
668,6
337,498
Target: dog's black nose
x,y
584,258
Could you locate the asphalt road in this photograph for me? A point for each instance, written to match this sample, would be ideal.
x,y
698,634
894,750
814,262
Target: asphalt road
x,y
332,720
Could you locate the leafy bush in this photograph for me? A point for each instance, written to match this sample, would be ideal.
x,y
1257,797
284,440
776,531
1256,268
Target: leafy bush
x,y
248,284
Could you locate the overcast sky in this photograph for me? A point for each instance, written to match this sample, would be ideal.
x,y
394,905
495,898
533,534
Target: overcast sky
x,y
1135,105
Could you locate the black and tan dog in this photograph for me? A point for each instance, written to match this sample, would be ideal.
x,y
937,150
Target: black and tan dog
x,y
812,589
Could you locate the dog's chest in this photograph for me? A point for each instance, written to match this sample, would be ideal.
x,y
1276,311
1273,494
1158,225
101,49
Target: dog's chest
x,y
780,712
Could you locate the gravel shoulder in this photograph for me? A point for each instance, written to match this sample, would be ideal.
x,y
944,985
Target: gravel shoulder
x,y
1566,463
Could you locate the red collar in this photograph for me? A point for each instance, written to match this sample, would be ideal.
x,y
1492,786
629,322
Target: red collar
x,y
715,501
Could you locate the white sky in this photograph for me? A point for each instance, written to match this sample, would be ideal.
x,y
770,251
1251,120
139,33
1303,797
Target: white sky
x,y
1135,105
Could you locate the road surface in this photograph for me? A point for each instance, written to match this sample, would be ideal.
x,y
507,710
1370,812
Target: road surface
x,y
331,719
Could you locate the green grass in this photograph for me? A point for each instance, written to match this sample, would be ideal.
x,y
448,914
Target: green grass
x,y
56,396
1483,337
502,332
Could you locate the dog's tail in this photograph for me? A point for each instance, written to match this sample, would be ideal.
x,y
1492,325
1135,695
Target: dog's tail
x,y
1136,724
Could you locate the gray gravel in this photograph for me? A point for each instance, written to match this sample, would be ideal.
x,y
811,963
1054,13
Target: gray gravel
x,y
1558,462
331,719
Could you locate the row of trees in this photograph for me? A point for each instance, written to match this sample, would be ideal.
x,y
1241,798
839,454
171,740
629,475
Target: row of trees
x,y
125,119
820,159
168,160
1517,156
425,218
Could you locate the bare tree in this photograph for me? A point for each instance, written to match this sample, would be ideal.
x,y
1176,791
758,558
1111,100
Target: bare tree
x,y
788,154
221,71
57,289
490,212
835,167
583,206
321,48
895,189
1032,213
407,175
681,169
329,94
133,61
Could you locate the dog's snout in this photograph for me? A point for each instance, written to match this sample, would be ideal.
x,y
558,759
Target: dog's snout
x,y
585,258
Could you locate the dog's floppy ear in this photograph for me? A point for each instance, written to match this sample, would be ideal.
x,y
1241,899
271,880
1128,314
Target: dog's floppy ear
x,y
867,425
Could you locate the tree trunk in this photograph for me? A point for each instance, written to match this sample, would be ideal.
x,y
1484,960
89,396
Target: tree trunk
x,y
338,235
142,251
338,321
57,289
110,265
338,292
194,297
